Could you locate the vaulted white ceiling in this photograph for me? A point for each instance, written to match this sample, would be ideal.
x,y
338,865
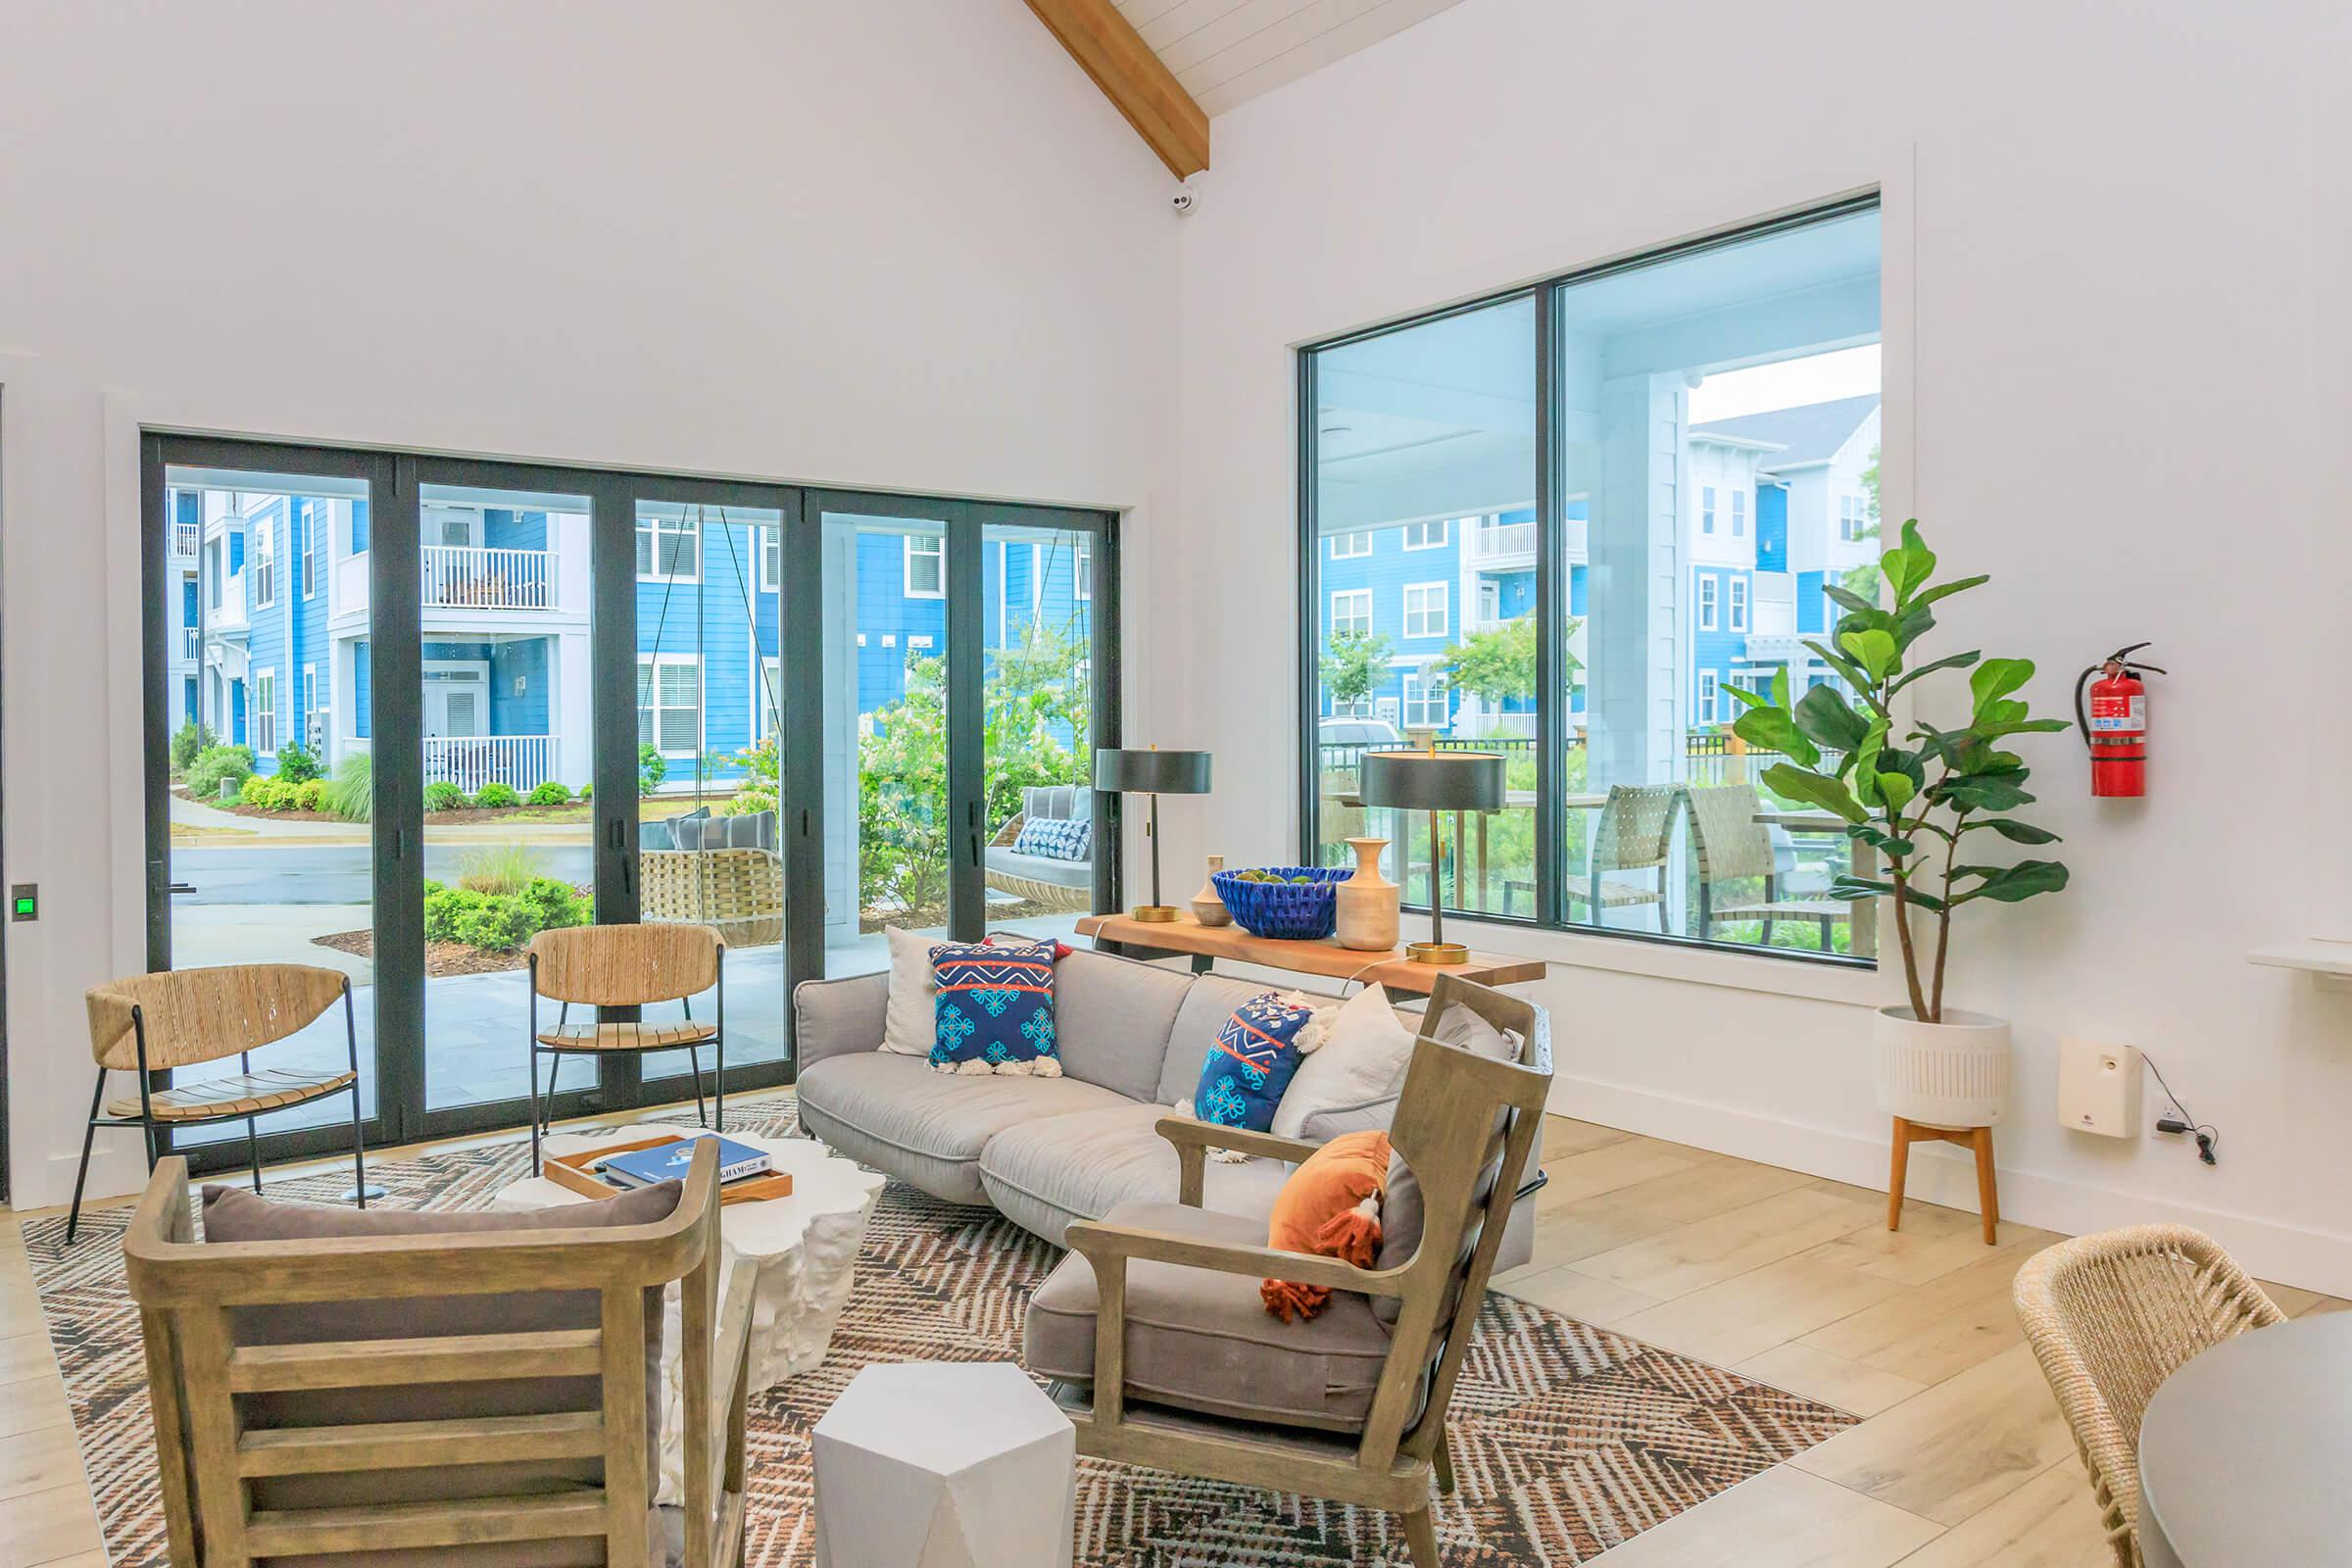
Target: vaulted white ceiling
x,y
1227,52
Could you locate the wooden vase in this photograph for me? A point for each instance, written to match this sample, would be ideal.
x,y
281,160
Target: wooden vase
x,y
1367,902
1209,908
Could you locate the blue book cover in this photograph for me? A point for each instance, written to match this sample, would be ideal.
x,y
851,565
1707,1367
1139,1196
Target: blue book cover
x,y
642,1167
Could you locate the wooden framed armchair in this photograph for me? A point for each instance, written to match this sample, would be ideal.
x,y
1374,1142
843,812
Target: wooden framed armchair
x,y
485,1386
1186,1371
147,1024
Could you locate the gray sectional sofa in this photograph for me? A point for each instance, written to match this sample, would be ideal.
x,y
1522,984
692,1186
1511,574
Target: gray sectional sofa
x,y
1044,1152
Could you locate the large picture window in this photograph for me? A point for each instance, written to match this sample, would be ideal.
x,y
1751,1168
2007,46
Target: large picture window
x,y
1662,467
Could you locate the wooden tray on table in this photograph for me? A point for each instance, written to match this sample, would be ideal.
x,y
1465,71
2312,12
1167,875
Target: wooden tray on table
x,y
572,1172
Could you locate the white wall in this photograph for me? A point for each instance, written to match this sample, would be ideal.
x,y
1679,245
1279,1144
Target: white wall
x,y
2113,254
898,243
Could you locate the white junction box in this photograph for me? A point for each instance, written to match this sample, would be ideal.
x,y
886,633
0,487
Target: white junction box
x,y
2098,1087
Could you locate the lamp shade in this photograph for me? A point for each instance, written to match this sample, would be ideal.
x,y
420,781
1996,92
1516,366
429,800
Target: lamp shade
x,y
1151,772
1431,781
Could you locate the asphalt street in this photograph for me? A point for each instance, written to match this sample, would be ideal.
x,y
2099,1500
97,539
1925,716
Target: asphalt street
x,y
329,873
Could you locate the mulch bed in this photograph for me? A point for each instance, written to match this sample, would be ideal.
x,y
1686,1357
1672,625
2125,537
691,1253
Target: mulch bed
x,y
440,957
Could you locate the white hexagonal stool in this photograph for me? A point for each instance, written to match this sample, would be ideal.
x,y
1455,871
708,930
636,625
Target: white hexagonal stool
x,y
944,1464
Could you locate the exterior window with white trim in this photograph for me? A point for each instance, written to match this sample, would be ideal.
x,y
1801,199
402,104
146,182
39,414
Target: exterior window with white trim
x,y
1739,603
264,713
1425,700
771,558
1082,571
1348,546
1428,535
1428,609
1706,601
670,703
310,549
1709,699
1853,517
1352,611
314,730
1738,514
772,697
1706,509
926,566
265,562
669,550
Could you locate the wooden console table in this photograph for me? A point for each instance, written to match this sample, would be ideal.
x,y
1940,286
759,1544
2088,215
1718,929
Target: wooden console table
x,y
1203,945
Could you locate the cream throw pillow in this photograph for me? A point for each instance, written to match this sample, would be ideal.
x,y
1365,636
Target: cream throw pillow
x,y
1361,1059
911,1022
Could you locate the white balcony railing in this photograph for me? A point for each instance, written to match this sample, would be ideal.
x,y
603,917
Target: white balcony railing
x,y
1499,543
185,537
187,644
521,762
475,577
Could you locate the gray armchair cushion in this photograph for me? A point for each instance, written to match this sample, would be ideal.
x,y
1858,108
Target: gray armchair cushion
x,y
231,1214
1203,1341
1077,875
1056,803
1112,1020
926,1127
833,1017
1043,1175
755,830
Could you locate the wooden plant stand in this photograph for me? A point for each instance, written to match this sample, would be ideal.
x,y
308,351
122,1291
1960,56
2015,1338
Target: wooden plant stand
x,y
1980,1139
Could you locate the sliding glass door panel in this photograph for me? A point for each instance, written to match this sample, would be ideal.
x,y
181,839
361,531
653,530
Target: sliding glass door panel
x,y
265,626
505,714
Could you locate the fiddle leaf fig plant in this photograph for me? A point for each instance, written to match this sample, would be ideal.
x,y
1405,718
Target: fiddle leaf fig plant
x,y
1918,802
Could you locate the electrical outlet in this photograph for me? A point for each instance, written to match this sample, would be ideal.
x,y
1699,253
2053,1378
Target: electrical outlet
x,y
2098,1087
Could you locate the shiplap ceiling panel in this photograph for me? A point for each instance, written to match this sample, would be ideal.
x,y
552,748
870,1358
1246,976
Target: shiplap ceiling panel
x,y
1226,52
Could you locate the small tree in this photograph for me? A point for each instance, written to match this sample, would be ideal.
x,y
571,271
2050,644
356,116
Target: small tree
x,y
1498,665
1353,663
1948,784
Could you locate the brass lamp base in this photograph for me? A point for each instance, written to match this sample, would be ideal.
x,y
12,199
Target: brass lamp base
x,y
1437,952
1155,914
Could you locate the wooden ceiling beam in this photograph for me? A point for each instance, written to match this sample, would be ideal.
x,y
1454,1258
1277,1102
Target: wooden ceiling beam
x,y
1136,82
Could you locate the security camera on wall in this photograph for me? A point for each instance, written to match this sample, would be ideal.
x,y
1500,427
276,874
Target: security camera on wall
x,y
1184,201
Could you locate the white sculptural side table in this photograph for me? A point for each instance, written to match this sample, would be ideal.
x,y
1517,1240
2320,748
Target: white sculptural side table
x,y
805,1248
944,1464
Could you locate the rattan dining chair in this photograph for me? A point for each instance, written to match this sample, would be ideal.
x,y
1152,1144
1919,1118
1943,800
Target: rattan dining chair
x,y
2110,1317
146,1024
1635,831
1732,846
627,967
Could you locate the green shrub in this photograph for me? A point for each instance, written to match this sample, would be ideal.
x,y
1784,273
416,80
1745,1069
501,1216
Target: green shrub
x,y
651,768
555,905
584,789
267,794
442,908
215,763
297,764
443,795
351,795
551,793
186,741
310,794
494,794
495,923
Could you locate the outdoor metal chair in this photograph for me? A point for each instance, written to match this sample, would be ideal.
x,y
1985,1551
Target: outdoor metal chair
x,y
148,1024
627,967
1633,833
1732,846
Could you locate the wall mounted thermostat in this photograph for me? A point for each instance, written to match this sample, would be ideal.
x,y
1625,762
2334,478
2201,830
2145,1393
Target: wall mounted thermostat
x,y
2098,1087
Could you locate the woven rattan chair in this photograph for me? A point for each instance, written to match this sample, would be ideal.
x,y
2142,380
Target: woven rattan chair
x,y
1029,889
470,1395
1464,1126
1635,831
2110,1317
153,1023
740,890
1732,846
627,967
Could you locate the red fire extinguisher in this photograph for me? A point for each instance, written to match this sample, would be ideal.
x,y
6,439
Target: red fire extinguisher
x,y
2115,724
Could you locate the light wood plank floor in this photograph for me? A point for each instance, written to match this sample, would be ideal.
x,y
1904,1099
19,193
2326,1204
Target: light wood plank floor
x,y
1961,1458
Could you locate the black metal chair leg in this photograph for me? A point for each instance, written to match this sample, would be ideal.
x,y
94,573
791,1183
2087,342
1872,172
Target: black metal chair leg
x,y
82,1172
252,1153
359,1149
694,1063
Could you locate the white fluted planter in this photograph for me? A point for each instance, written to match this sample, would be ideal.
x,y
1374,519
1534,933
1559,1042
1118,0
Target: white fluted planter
x,y
1950,1074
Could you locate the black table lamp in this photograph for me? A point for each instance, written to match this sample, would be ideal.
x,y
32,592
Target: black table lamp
x,y
1153,772
1433,781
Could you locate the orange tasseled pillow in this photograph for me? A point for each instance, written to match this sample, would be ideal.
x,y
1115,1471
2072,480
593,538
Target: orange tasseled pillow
x,y
1330,1206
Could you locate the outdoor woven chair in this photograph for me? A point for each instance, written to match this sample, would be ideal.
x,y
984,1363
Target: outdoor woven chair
x,y
152,1023
1633,833
2110,1317
627,967
1732,846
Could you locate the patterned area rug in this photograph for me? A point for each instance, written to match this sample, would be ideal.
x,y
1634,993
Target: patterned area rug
x,y
1567,1440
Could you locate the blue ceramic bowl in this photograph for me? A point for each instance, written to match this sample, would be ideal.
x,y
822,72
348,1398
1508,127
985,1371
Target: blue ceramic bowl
x,y
1292,911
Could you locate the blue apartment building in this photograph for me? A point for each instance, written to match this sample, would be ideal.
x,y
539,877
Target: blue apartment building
x,y
273,641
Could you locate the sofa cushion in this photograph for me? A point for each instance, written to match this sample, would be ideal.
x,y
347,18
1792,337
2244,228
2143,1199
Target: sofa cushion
x,y
1256,1053
929,1128
1114,1016
1043,1175
1055,838
1205,1008
995,1006
1203,1340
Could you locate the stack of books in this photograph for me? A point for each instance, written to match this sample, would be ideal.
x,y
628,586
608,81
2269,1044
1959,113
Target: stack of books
x,y
643,1167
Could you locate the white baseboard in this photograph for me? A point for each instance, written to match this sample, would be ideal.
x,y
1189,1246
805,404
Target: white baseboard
x,y
2289,1255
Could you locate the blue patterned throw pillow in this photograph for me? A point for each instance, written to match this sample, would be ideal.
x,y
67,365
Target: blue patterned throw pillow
x,y
1252,1061
995,1008
1055,838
